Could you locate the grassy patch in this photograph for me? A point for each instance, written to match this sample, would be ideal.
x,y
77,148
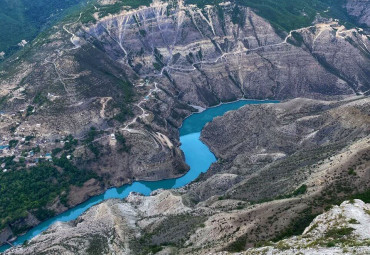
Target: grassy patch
x,y
40,99
89,141
172,231
288,15
301,190
97,245
339,232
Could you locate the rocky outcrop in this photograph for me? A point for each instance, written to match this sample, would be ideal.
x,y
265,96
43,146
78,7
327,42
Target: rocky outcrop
x,y
341,230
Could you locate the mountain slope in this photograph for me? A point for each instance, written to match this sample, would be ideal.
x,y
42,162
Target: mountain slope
x,y
24,20
134,75
341,230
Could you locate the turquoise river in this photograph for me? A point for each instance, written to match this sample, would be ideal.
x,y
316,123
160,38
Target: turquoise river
x,y
197,156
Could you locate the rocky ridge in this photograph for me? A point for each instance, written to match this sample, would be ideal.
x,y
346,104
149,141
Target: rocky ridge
x,y
346,225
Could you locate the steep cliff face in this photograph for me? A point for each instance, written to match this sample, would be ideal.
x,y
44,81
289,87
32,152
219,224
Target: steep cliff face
x,y
281,145
116,89
218,54
359,9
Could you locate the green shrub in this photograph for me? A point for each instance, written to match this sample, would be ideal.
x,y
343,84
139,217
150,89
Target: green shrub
x,y
353,221
55,151
40,99
339,232
238,245
27,190
13,143
29,110
123,147
351,171
301,190
330,244
364,196
29,138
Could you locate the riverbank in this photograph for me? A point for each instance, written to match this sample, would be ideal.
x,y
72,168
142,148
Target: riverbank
x,y
197,156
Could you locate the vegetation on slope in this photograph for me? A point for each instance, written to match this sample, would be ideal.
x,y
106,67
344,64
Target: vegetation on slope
x,y
290,14
30,190
23,20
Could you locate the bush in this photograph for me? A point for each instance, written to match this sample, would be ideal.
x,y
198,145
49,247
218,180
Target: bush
x,y
339,232
238,245
297,226
13,143
29,138
364,196
330,244
40,99
122,142
301,190
351,171
29,110
56,151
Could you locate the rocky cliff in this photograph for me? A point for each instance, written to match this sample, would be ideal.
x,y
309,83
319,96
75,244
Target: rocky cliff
x,y
282,145
107,90
359,9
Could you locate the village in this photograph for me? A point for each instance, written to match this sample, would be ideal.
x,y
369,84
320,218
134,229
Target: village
x,y
26,145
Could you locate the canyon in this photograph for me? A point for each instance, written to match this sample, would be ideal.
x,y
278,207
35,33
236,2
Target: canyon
x,y
117,86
